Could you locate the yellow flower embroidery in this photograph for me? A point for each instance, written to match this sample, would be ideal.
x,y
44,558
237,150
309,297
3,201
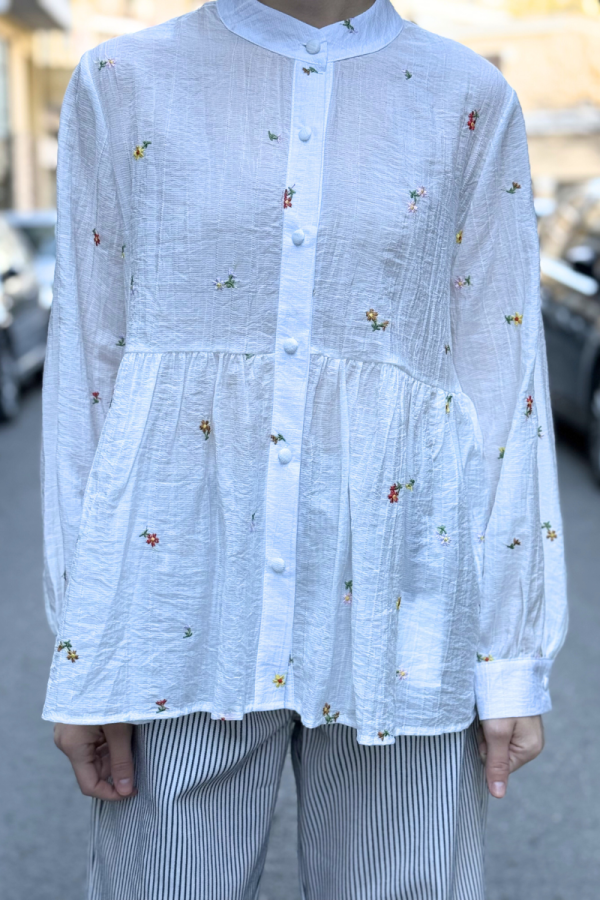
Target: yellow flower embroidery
x,y
139,151
279,681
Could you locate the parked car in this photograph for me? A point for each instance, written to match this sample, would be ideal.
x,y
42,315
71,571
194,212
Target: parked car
x,y
23,319
39,227
570,266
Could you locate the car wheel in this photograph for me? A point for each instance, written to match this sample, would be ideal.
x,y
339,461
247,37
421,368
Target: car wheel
x,y
594,434
9,381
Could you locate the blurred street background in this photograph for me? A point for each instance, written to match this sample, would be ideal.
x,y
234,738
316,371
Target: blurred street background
x,y
544,839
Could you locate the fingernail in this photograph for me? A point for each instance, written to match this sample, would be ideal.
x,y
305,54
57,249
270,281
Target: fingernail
x,y
499,788
124,784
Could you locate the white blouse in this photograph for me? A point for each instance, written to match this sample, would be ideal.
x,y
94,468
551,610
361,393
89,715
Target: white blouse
x,y
298,447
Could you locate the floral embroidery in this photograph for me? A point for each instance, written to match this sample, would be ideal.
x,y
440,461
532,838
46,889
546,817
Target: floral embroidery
x,y
443,535
279,681
401,674
398,602
501,451
188,633
132,285
397,487
309,70
481,538
329,716
229,283
151,539
273,137
96,237
347,23
121,341
540,433
106,63
514,188
487,658
415,196
515,543
460,282
277,437
162,705
348,594
407,74
382,735
123,251
287,197
471,121
204,427
96,398
551,533
140,149
72,655
528,405
447,348
516,318
459,236
448,402
375,325
252,522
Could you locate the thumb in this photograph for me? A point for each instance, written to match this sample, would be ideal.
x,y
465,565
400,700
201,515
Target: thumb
x,y
498,733
118,738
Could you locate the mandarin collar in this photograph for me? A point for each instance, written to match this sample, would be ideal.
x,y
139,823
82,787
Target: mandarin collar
x,y
273,30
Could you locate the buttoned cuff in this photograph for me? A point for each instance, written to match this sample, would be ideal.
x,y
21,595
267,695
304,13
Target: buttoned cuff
x,y
507,688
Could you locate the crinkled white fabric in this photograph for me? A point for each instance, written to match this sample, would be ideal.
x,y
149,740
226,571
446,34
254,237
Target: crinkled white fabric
x,y
144,347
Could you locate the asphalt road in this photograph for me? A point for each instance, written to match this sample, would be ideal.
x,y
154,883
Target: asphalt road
x,y
543,839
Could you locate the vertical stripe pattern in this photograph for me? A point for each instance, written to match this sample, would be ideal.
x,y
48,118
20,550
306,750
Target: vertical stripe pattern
x,y
398,822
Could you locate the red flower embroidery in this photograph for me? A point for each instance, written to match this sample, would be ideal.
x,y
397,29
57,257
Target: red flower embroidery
x,y
473,116
528,405
287,197
151,539
162,705
96,398
96,237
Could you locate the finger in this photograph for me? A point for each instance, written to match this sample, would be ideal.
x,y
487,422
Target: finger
x,y
118,738
481,743
498,733
527,741
90,783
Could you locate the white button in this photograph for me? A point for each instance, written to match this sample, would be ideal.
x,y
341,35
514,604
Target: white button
x,y
313,46
277,564
298,237
284,456
290,345
305,133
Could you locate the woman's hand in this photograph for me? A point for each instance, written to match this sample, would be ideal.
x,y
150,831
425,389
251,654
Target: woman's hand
x,y
506,745
96,753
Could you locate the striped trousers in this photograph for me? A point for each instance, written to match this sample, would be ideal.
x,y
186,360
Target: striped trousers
x,y
398,822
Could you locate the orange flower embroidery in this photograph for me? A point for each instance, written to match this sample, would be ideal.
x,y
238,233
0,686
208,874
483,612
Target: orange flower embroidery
x,y
550,532
204,427
329,716
515,543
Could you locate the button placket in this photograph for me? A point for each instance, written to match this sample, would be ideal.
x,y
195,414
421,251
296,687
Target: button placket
x,y
300,225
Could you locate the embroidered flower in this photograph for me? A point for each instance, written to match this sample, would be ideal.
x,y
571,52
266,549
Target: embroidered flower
x,y
446,348
96,237
412,206
528,405
487,658
106,63
382,735
515,543
63,645
372,316
329,716
162,705
501,451
514,188
123,251
347,23
407,74
442,534
151,539
252,522
481,538
230,282
204,427
277,437
273,137
121,341
287,197
279,681
516,319
550,532
460,282
397,487
132,285
72,655
415,196
448,402
472,119
398,602
401,674
140,149
459,236
308,70
187,633
96,398
540,433
348,594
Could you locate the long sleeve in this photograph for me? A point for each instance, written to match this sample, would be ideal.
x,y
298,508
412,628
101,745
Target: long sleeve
x,y
500,358
87,324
